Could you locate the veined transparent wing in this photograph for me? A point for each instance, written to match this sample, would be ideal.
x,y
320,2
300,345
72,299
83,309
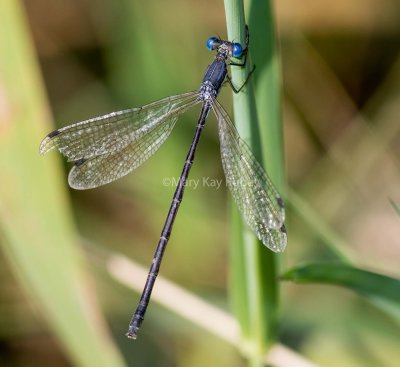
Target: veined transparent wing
x,y
253,191
110,146
100,170
113,132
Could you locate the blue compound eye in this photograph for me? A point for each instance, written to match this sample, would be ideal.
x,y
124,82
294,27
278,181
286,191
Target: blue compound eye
x,y
213,43
237,50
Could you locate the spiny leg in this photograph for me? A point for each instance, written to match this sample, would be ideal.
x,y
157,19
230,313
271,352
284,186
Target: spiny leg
x,y
229,80
237,90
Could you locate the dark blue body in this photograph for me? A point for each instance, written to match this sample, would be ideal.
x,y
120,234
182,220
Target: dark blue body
x,y
210,86
216,73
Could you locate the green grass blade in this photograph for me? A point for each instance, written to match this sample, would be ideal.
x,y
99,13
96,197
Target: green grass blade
x,y
314,221
37,234
267,80
381,290
395,206
254,286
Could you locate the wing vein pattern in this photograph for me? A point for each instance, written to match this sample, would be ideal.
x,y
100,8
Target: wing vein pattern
x,y
110,146
252,189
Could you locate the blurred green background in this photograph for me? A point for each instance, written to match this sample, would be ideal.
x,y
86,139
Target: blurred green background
x,y
341,77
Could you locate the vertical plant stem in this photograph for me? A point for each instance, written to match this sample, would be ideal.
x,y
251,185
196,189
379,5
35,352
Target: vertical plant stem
x,y
254,285
267,80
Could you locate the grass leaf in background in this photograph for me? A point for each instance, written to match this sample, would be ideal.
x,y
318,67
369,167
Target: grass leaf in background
x,y
37,233
317,225
395,206
381,290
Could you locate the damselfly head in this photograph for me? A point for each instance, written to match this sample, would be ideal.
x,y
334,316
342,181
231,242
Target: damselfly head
x,y
229,49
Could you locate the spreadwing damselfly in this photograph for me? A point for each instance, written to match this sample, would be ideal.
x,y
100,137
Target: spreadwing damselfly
x,y
108,147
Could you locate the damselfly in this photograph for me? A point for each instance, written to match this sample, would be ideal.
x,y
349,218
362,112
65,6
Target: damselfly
x,y
108,147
